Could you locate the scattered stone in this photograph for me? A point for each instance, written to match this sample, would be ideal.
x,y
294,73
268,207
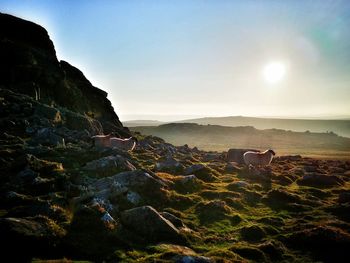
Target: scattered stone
x,y
202,172
169,165
47,137
146,222
344,197
252,233
232,167
109,165
320,180
327,243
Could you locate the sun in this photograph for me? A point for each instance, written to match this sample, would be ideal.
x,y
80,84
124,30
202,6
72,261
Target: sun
x,y
274,72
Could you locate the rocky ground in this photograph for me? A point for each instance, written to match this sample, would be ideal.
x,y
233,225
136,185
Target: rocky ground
x,y
62,198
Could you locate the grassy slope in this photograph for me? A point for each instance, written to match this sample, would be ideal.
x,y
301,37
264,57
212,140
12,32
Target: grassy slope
x,y
341,127
220,138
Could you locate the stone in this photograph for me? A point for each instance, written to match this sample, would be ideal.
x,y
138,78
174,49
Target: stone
x,y
177,222
201,171
320,180
107,166
170,165
31,235
252,233
328,244
146,222
232,167
344,197
47,137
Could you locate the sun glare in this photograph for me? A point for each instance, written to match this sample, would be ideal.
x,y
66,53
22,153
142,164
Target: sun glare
x,y
274,72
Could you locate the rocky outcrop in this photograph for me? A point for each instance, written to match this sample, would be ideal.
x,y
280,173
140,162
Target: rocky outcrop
x,y
29,66
149,224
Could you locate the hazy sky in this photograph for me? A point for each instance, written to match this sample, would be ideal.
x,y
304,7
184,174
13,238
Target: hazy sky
x,y
205,58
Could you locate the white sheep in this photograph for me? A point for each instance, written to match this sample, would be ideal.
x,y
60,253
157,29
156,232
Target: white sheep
x,y
101,140
123,144
258,158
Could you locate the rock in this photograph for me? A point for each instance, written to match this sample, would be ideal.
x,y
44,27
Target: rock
x,y
180,254
29,66
109,165
47,112
310,168
191,259
131,187
177,222
91,233
344,197
201,171
252,253
146,222
188,183
169,165
209,157
252,233
327,243
320,180
214,210
47,137
238,186
31,235
280,196
232,167
274,249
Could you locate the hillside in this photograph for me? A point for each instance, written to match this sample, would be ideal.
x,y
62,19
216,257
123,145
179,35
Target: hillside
x,y
341,127
63,199
136,123
221,138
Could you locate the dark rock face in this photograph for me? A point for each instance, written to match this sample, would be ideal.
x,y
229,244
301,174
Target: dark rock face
x,y
29,66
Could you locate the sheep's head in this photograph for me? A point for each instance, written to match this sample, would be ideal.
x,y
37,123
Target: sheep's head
x,y
272,152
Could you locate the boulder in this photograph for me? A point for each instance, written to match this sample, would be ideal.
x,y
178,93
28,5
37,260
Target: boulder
x,y
177,222
320,180
344,197
31,235
232,167
47,137
188,183
106,166
202,172
326,243
146,222
169,165
131,187
252,233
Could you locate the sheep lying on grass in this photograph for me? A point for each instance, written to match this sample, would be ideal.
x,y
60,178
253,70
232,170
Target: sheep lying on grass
x,y
114,142
258,158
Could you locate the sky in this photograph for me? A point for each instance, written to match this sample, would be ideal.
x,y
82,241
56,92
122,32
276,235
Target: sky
x,y
171,60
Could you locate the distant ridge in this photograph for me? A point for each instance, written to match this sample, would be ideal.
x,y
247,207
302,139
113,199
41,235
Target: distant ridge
x,y
221,138
338,126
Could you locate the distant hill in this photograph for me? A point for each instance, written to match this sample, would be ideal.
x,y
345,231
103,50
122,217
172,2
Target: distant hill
x,y
219,138
341,127
135,123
